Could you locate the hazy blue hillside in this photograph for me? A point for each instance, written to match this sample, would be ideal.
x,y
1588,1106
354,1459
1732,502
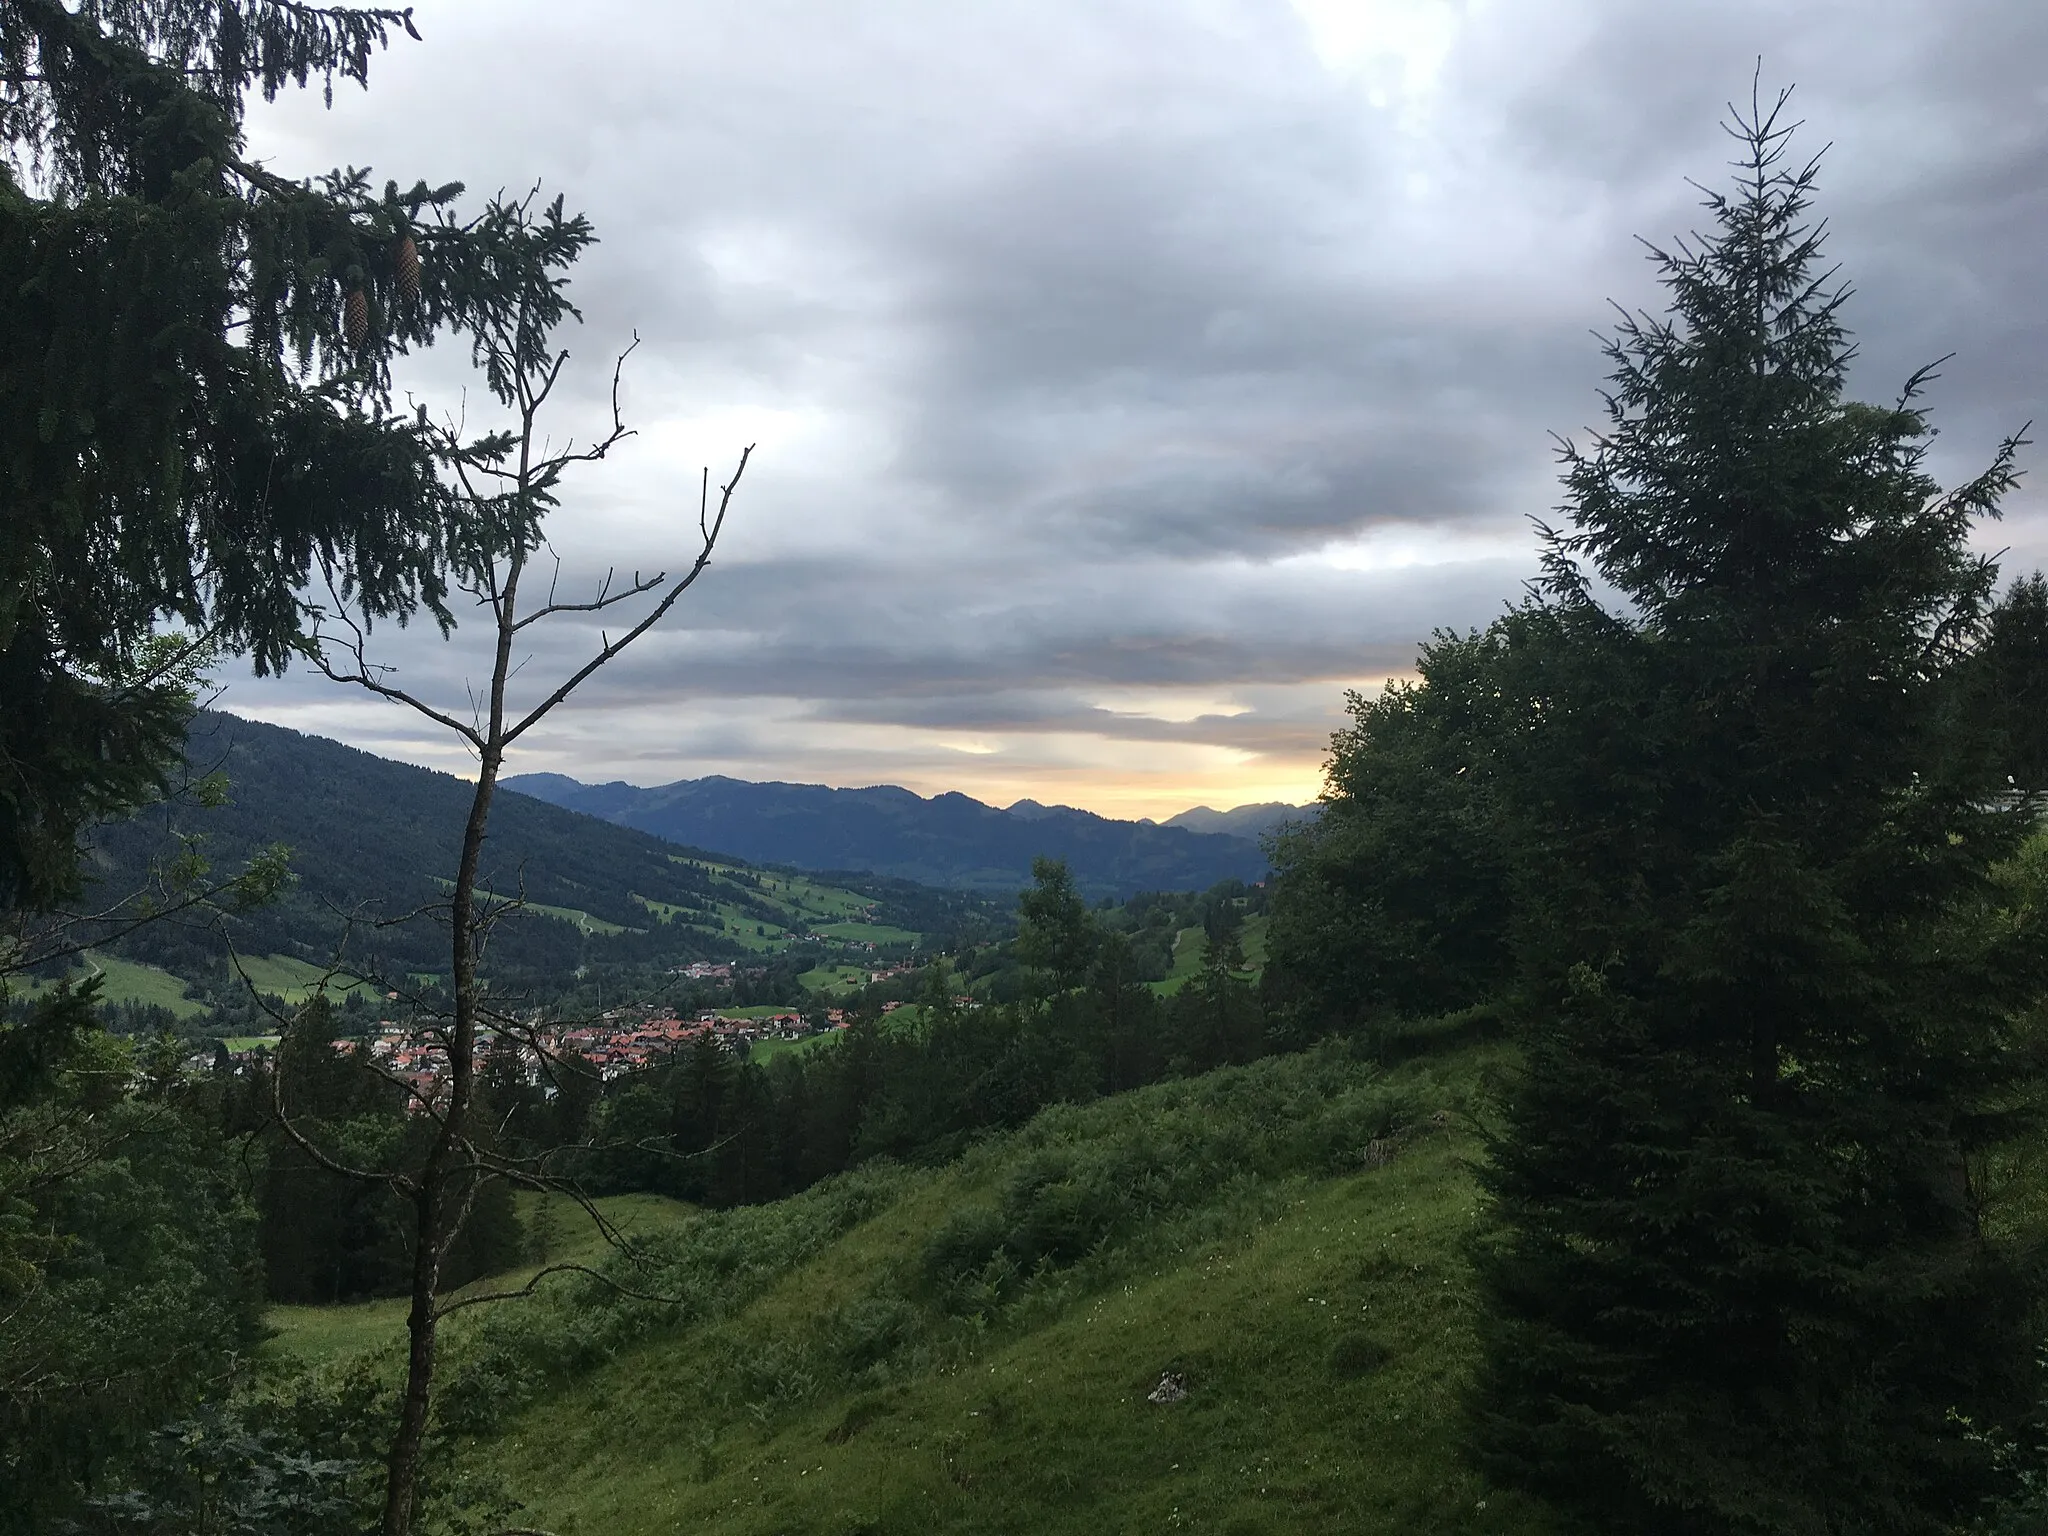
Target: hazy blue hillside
x,y
947,840
1247,821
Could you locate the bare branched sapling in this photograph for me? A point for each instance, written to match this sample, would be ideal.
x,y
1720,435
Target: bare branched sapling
x,y
514,477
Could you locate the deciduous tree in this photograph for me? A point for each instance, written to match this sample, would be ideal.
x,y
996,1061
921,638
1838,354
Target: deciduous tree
x,y
507,480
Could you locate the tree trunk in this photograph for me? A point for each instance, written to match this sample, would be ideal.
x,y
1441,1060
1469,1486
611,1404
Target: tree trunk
x,y
431,1233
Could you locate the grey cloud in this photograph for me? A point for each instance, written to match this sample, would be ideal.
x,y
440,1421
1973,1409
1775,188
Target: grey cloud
x,y
864,654
1075,333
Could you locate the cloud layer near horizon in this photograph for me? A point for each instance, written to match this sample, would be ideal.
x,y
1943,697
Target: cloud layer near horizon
x,y
1131,378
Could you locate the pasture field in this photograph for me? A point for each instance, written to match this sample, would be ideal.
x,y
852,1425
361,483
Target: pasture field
x,y
293,979
878,934
764,1051
1191,945
829,978
585,921
130,981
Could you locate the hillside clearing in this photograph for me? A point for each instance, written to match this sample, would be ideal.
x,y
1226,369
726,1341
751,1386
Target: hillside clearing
x,y
557,1229
1285,1238
1191,947
129,981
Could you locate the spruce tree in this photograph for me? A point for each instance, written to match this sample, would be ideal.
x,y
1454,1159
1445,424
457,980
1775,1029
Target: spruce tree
x,y
1737,1279
195,417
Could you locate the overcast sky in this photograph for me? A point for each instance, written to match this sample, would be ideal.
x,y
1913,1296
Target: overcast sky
x,y
1132,377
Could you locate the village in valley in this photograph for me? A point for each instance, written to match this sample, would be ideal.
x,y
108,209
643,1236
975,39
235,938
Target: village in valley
x,y
630,1037
771,925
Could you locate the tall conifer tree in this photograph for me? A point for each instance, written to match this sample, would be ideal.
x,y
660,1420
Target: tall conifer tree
x,y
194,387
1737,1279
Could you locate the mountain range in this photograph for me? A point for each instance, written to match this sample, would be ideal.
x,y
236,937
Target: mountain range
x,y
613,875
372,839
1252,821
947,840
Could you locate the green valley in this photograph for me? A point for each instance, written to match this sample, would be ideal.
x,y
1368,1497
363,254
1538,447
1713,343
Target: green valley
x,y
596,905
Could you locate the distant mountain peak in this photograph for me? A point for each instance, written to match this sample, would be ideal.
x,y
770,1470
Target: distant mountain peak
x,y
950,839
1031,810
1250,821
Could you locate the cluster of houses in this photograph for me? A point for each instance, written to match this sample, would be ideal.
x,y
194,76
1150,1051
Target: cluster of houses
x,y
622,1040
626,1039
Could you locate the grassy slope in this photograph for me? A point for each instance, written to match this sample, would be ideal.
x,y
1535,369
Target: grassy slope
x,y
867,933
806,905
316,1335
584,921
765,1051
131,981
127,981
833,977
1191,945
1269,1290
293,979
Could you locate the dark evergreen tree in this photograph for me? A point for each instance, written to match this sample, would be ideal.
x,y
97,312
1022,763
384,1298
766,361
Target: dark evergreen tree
x,y
129,1279
1055,931
1737,1280
194,389
1131,1036
1215,1020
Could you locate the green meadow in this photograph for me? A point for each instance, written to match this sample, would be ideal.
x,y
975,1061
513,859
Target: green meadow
x,y
977,1347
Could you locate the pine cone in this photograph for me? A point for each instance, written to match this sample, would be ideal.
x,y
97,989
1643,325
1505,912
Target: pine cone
x,y
355,317
407,263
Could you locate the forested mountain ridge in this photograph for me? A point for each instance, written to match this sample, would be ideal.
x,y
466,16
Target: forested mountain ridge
x,y
947,840
372,839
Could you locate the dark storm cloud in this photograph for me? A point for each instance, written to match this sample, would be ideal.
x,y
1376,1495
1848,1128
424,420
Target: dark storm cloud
x,y
1201,349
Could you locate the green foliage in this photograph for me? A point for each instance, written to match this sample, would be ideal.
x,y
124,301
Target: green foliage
x,y
922,1081
682,1276
1068,1194
1738,1280
35,1044
327,1236
331,1236
128,1268
217,1473
1394,902
194,388
2001,688
1055,931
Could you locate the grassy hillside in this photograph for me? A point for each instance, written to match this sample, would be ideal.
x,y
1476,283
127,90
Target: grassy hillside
x,y
128,981
555,1226
972,1348
1191,947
